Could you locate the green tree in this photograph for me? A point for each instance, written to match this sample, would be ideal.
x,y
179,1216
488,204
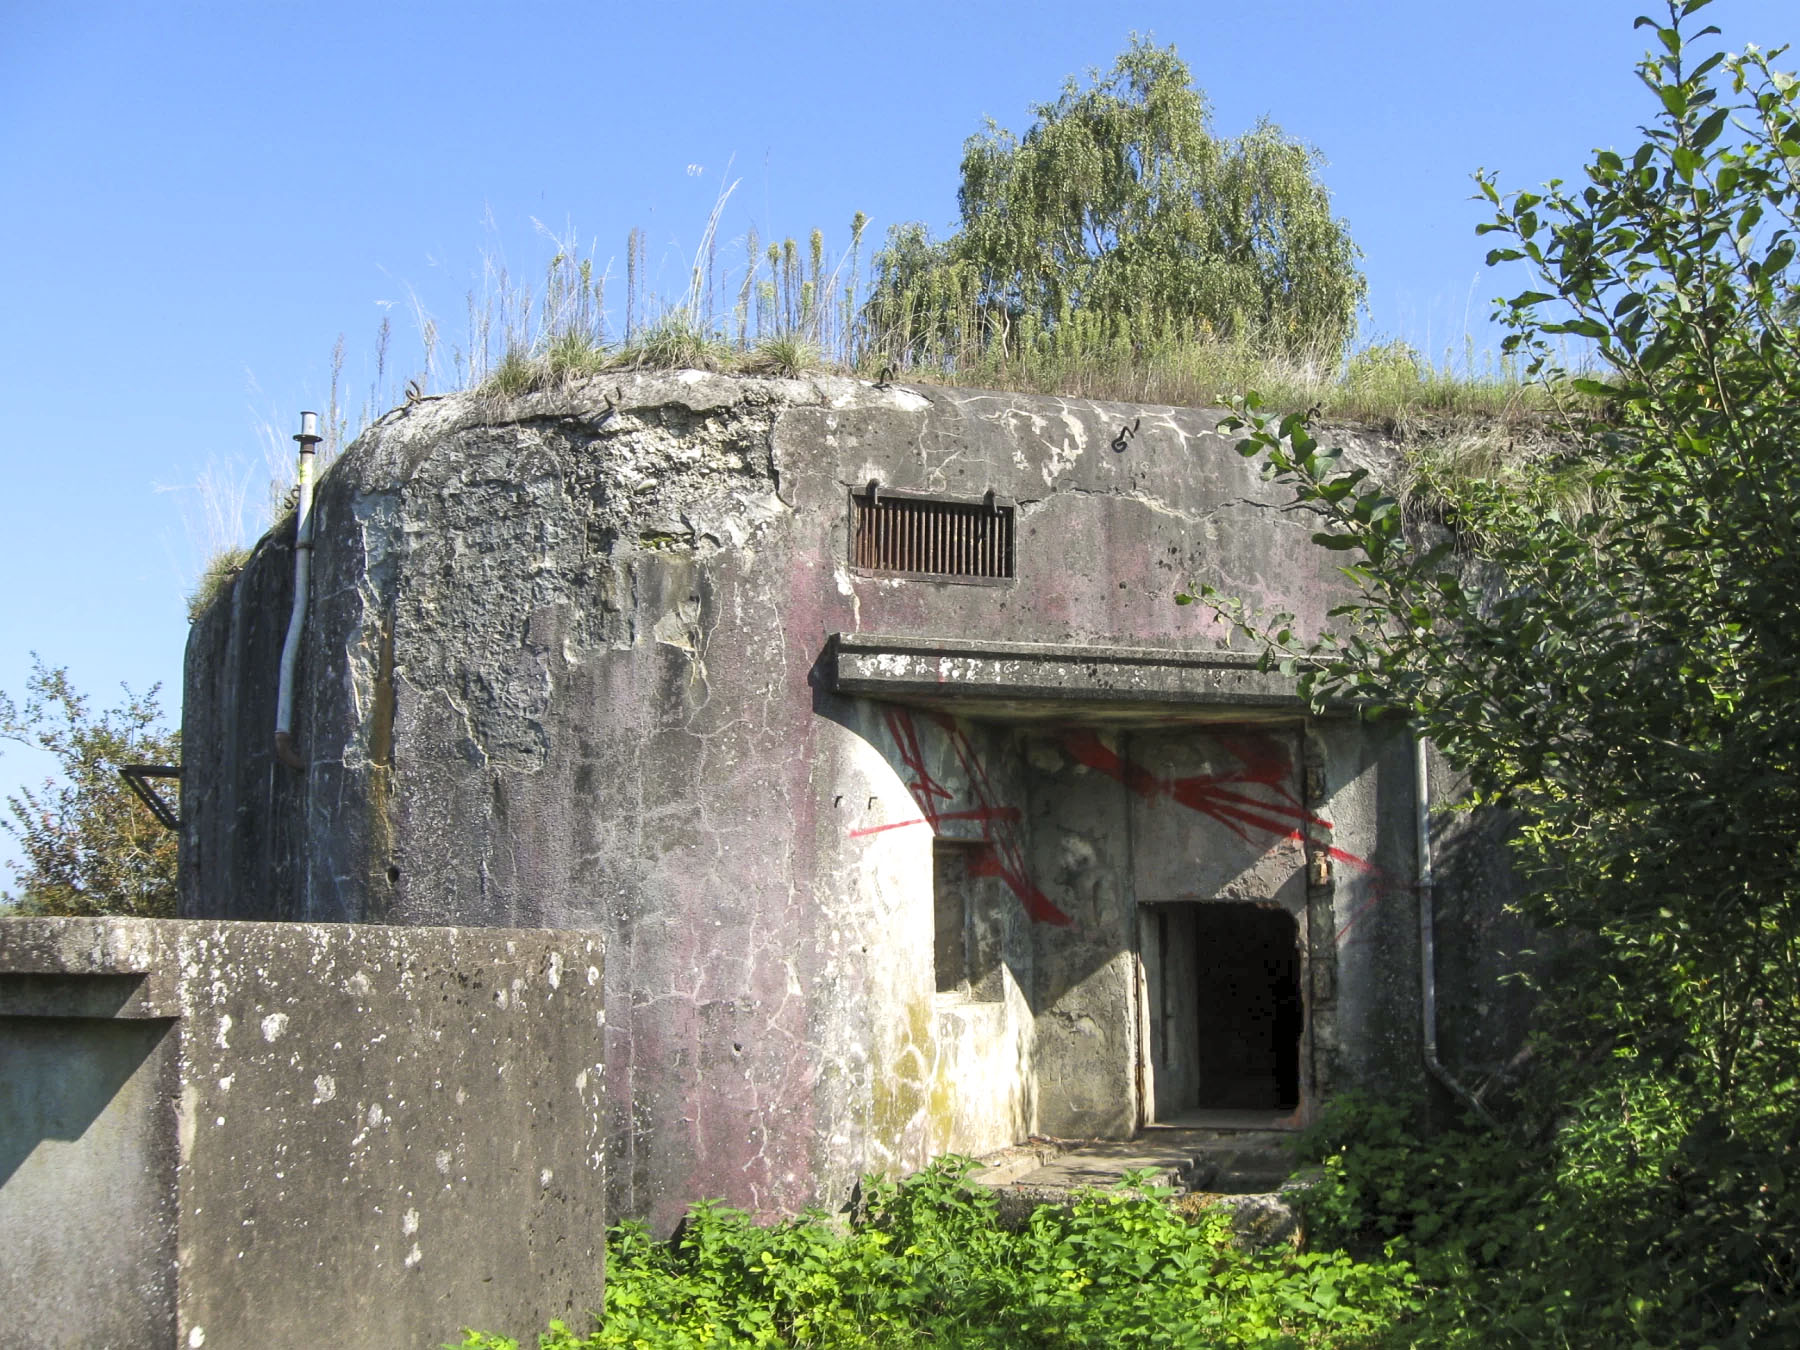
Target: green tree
x,y
89,845
1624,676
1120,218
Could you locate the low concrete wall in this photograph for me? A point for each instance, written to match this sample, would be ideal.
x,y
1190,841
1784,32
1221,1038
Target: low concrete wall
x,y
271,1135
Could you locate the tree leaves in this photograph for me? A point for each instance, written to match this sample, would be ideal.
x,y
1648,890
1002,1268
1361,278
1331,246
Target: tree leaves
x,y
1119,217
90,846
1620,674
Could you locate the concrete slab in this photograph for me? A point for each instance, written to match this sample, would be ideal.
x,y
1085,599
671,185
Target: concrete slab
x,y
1222,1161
1248,1172
1172,1158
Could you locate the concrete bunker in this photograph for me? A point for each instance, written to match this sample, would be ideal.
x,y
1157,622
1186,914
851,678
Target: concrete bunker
x,y
861,725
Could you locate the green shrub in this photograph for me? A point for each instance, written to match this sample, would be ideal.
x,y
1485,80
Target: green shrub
x,y
925,1262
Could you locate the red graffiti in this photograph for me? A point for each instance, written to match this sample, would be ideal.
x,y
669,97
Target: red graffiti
x,y
1264,763
1381,883
1258,796
1002,852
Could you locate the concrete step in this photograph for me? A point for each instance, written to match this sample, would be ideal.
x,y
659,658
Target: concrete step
x,y
1228,1161
1246,1170
1234,1169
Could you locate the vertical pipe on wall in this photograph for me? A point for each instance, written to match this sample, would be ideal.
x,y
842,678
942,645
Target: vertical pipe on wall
x,y
290,648
1428,936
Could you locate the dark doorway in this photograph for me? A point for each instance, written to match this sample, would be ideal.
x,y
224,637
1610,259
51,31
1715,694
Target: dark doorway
x,y
1223,987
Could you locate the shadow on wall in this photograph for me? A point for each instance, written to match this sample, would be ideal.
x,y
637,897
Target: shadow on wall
x,y
60,1074
1485,949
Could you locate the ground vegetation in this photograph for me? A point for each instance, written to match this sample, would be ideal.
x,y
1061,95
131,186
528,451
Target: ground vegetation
x,y
926,1262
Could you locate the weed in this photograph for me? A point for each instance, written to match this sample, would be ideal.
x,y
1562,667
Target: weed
x,y
572,355
674,342
925,1261
786,355
216,577
516,373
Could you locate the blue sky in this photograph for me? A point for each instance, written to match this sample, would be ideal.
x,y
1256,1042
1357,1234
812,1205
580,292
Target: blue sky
x,y
204,197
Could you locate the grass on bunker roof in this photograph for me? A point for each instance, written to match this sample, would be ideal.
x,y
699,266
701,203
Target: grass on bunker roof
x,y
789,309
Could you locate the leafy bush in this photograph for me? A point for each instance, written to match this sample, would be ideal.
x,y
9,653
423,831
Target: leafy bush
x,y
89,845
1619,674
925,1262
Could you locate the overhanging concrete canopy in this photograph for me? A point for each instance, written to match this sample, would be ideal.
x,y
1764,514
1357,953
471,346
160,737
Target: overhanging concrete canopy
x,y
1032,681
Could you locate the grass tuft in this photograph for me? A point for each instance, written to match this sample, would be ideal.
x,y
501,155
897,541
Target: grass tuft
x,y
517,373
786,355
216,577
676,341
573,355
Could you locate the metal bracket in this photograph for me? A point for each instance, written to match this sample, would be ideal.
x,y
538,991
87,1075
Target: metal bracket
x,y
1318,870
137,777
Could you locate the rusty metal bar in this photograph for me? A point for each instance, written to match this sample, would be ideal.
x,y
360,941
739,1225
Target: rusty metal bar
x,y
137,778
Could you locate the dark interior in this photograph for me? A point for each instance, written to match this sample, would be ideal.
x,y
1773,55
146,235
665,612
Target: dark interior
x,y
1248,1006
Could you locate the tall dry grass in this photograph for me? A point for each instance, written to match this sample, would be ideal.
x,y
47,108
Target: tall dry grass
x,y
787,306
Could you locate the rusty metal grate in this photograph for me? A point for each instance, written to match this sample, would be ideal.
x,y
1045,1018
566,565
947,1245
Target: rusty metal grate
x,y
917,536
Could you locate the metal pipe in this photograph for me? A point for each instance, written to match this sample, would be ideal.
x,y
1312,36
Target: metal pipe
x,y
1428,937
290,649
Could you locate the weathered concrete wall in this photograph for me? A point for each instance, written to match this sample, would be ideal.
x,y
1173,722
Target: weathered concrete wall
x,y
1371,1032
87,1169
296,1134
570,662
1483,944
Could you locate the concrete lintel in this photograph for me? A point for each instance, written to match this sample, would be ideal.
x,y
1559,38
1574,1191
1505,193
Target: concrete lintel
x,y
1019,675
88,967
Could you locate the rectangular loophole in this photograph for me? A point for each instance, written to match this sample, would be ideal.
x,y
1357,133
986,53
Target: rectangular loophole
x,y
969,922
924,537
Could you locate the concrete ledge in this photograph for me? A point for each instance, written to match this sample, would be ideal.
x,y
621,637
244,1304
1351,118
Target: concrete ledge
x,y
1038,679
287,1135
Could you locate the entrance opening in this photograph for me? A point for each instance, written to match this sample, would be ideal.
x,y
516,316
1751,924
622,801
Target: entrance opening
x,y
1224,1005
